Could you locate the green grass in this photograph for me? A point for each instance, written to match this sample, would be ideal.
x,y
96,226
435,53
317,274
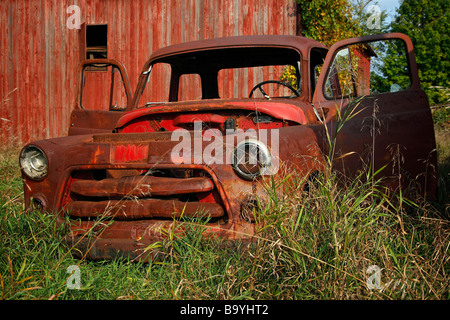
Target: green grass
x,y
315,245
442,133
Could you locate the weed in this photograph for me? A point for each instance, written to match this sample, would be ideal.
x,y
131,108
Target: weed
x,y
315,243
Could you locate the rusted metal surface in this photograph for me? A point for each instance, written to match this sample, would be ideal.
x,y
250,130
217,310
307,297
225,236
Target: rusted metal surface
x,y
143,209
124,190
141,186
40,54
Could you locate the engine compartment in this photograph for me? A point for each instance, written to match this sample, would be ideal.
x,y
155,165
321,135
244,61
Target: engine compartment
x,y
220,120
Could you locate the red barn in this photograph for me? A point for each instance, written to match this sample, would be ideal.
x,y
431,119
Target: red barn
x,y
43,41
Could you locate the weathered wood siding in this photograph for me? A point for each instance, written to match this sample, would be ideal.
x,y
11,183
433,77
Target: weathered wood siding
x,y
39,54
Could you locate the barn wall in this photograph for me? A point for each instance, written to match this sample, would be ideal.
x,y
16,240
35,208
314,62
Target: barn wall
x,y
39,54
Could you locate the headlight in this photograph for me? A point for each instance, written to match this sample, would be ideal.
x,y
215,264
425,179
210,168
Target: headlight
x,y
251,158
33,162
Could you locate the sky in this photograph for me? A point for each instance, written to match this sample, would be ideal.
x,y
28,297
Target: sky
x,y
390,6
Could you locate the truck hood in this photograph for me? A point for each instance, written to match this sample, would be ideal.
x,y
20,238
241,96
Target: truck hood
x,y
292,110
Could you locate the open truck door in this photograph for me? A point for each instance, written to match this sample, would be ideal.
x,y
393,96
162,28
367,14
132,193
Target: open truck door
x,y
376,114
103,95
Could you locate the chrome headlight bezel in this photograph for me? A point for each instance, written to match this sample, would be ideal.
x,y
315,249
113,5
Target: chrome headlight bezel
x,y
253,163
33,162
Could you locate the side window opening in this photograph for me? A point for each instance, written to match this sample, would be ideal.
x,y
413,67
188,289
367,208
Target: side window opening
x,y
103,90
340,81
368,68
317,59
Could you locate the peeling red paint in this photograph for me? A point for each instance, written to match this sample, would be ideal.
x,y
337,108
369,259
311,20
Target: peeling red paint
x,y
129,153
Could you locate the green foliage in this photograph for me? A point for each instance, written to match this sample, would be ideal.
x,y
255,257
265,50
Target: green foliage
x,y
366,17
427,23
328,21
441,116
289,76
391,67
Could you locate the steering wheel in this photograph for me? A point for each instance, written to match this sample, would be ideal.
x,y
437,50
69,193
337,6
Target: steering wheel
x,y
258,86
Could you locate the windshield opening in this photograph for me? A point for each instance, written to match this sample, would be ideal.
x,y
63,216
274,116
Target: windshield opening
x,y
224,73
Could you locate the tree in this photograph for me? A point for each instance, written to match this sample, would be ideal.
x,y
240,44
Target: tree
x,y
427,23
327,21
390,68
370,17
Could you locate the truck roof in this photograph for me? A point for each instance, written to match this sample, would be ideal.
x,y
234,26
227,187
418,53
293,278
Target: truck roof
x,y
302,44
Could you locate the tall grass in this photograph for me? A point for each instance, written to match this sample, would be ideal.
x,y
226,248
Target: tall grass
x,y
442,134
323,243
320,244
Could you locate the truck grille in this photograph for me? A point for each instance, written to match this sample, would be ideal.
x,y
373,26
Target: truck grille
x,y
133,194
